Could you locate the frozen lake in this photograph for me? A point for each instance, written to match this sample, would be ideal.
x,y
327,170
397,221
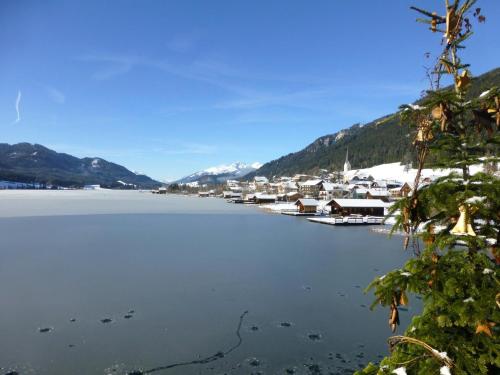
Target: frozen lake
x,y
174,275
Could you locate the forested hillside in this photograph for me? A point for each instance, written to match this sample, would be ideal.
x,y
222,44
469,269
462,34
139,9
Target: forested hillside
x,y
371,144
25,162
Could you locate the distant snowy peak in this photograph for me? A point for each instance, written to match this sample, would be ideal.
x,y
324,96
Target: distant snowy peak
x,y
237,167
221,173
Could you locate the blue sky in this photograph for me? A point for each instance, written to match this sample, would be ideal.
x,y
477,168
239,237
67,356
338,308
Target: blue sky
x,y
171,87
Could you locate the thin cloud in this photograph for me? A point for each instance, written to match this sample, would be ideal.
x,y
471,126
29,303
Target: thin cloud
x,y
116,65
305,95
208,72
56,95
18,107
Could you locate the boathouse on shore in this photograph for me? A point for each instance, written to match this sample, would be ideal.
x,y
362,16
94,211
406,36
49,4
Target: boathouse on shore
x,y
293,196
264,198
307,206
346,207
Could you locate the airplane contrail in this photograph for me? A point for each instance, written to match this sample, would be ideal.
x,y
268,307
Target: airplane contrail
x,y
18,102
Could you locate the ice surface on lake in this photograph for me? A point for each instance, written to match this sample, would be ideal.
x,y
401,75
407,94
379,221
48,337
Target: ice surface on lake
x,y
19,203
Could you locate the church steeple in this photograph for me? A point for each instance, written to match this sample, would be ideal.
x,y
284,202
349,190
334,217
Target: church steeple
x,y
347,165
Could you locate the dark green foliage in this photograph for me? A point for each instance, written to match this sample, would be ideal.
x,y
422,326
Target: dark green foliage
x,y
456,219
24,162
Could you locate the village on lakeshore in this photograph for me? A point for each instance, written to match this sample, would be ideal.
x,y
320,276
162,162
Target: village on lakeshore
x,y
346,197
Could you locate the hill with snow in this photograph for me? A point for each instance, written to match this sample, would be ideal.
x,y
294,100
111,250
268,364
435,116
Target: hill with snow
x,y
220,174
34,163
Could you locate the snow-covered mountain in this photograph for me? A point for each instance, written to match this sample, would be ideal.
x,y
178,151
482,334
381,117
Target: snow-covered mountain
x,y
26,162
221,173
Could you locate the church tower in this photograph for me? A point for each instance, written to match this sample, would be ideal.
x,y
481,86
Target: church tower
x,y
347,166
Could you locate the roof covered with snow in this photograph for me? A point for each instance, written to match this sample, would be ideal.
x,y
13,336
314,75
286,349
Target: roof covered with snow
x,y
359,202
379,192
401,173
311,182
289,184
265,196
260,179
307,202
328,186
360,191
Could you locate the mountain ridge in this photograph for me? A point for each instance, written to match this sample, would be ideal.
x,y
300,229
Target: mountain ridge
x,y
220,173
369,144
26,162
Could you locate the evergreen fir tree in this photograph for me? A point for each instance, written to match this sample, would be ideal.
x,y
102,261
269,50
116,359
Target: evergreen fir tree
x,y
452,223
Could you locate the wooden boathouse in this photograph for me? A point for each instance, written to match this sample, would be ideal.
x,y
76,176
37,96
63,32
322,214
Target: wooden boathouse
x,y
364,207
307,206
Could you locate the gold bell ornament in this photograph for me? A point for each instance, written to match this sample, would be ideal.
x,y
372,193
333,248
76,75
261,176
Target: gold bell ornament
x,y
463,226
424,133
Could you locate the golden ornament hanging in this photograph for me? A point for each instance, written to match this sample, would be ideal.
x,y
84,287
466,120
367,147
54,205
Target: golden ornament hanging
x,y
403,299
463,80
495,111
424,133
442,114
393,317
463,226
485,328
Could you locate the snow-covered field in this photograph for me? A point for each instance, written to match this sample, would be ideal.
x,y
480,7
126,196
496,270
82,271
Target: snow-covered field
x,y
19,203
279,207
396,171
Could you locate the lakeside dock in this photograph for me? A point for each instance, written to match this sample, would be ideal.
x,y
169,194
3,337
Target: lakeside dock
x,y
348,220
